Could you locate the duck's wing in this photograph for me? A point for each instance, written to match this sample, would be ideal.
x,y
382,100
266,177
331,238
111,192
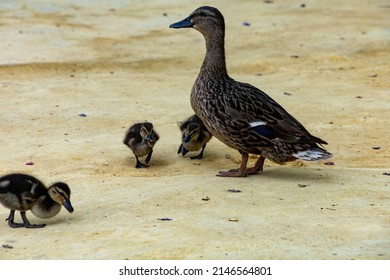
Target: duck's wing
x,y
251,109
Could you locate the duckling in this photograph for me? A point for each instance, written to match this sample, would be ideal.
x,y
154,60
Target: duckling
x,y
141,138
240,115
194,136
23,192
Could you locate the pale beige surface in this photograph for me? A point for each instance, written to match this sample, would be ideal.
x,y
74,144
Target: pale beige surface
x,y
119,63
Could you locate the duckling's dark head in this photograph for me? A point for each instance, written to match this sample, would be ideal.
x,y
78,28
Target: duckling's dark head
x,y
191,133
207,20
60,193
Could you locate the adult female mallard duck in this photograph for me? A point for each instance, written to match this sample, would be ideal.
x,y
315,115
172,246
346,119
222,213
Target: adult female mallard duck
x,y
141,138
23,192
194,136
239,114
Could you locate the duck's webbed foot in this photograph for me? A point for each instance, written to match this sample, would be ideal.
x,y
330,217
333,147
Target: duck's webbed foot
x,y
258,166
243,171
233,173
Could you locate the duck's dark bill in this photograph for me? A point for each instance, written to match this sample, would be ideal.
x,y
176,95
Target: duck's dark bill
x,y
185,23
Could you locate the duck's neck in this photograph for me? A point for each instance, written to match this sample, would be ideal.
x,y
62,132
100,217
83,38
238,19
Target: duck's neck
x,y
214,62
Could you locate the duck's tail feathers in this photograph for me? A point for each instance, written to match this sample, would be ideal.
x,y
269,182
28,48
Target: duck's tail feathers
x,y
313,154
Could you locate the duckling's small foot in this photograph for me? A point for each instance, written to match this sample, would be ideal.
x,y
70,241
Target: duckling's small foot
x,y
35,225
26,222
200,156
141,165
11,222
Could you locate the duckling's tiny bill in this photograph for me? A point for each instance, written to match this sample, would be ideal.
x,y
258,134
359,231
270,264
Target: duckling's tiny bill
x,y
68,206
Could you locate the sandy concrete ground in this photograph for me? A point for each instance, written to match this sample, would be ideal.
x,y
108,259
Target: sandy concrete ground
x,y
119,63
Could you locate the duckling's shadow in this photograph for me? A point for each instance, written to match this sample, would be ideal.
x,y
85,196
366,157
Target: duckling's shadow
x,y
60,220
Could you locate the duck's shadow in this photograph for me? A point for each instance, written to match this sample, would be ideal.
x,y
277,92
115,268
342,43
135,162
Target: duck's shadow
x,y
294,174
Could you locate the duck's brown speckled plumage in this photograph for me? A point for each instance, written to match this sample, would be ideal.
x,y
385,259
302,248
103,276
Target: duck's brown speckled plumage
x,y
239,114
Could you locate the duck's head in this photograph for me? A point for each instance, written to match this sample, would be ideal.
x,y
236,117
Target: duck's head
x,y
60,193
207,20
191,133
148,134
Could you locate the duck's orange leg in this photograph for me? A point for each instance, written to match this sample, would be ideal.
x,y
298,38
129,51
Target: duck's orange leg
x,y
241,172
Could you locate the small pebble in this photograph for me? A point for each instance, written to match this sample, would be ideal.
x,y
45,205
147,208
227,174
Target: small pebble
x,y
294,56
376,147
233,220
287,93
165,219
82,115
29,163
303,5
234,190
303,185
245,23
6,246
206,198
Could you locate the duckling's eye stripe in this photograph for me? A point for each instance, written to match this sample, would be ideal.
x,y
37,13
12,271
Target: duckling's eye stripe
x,y
61,193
